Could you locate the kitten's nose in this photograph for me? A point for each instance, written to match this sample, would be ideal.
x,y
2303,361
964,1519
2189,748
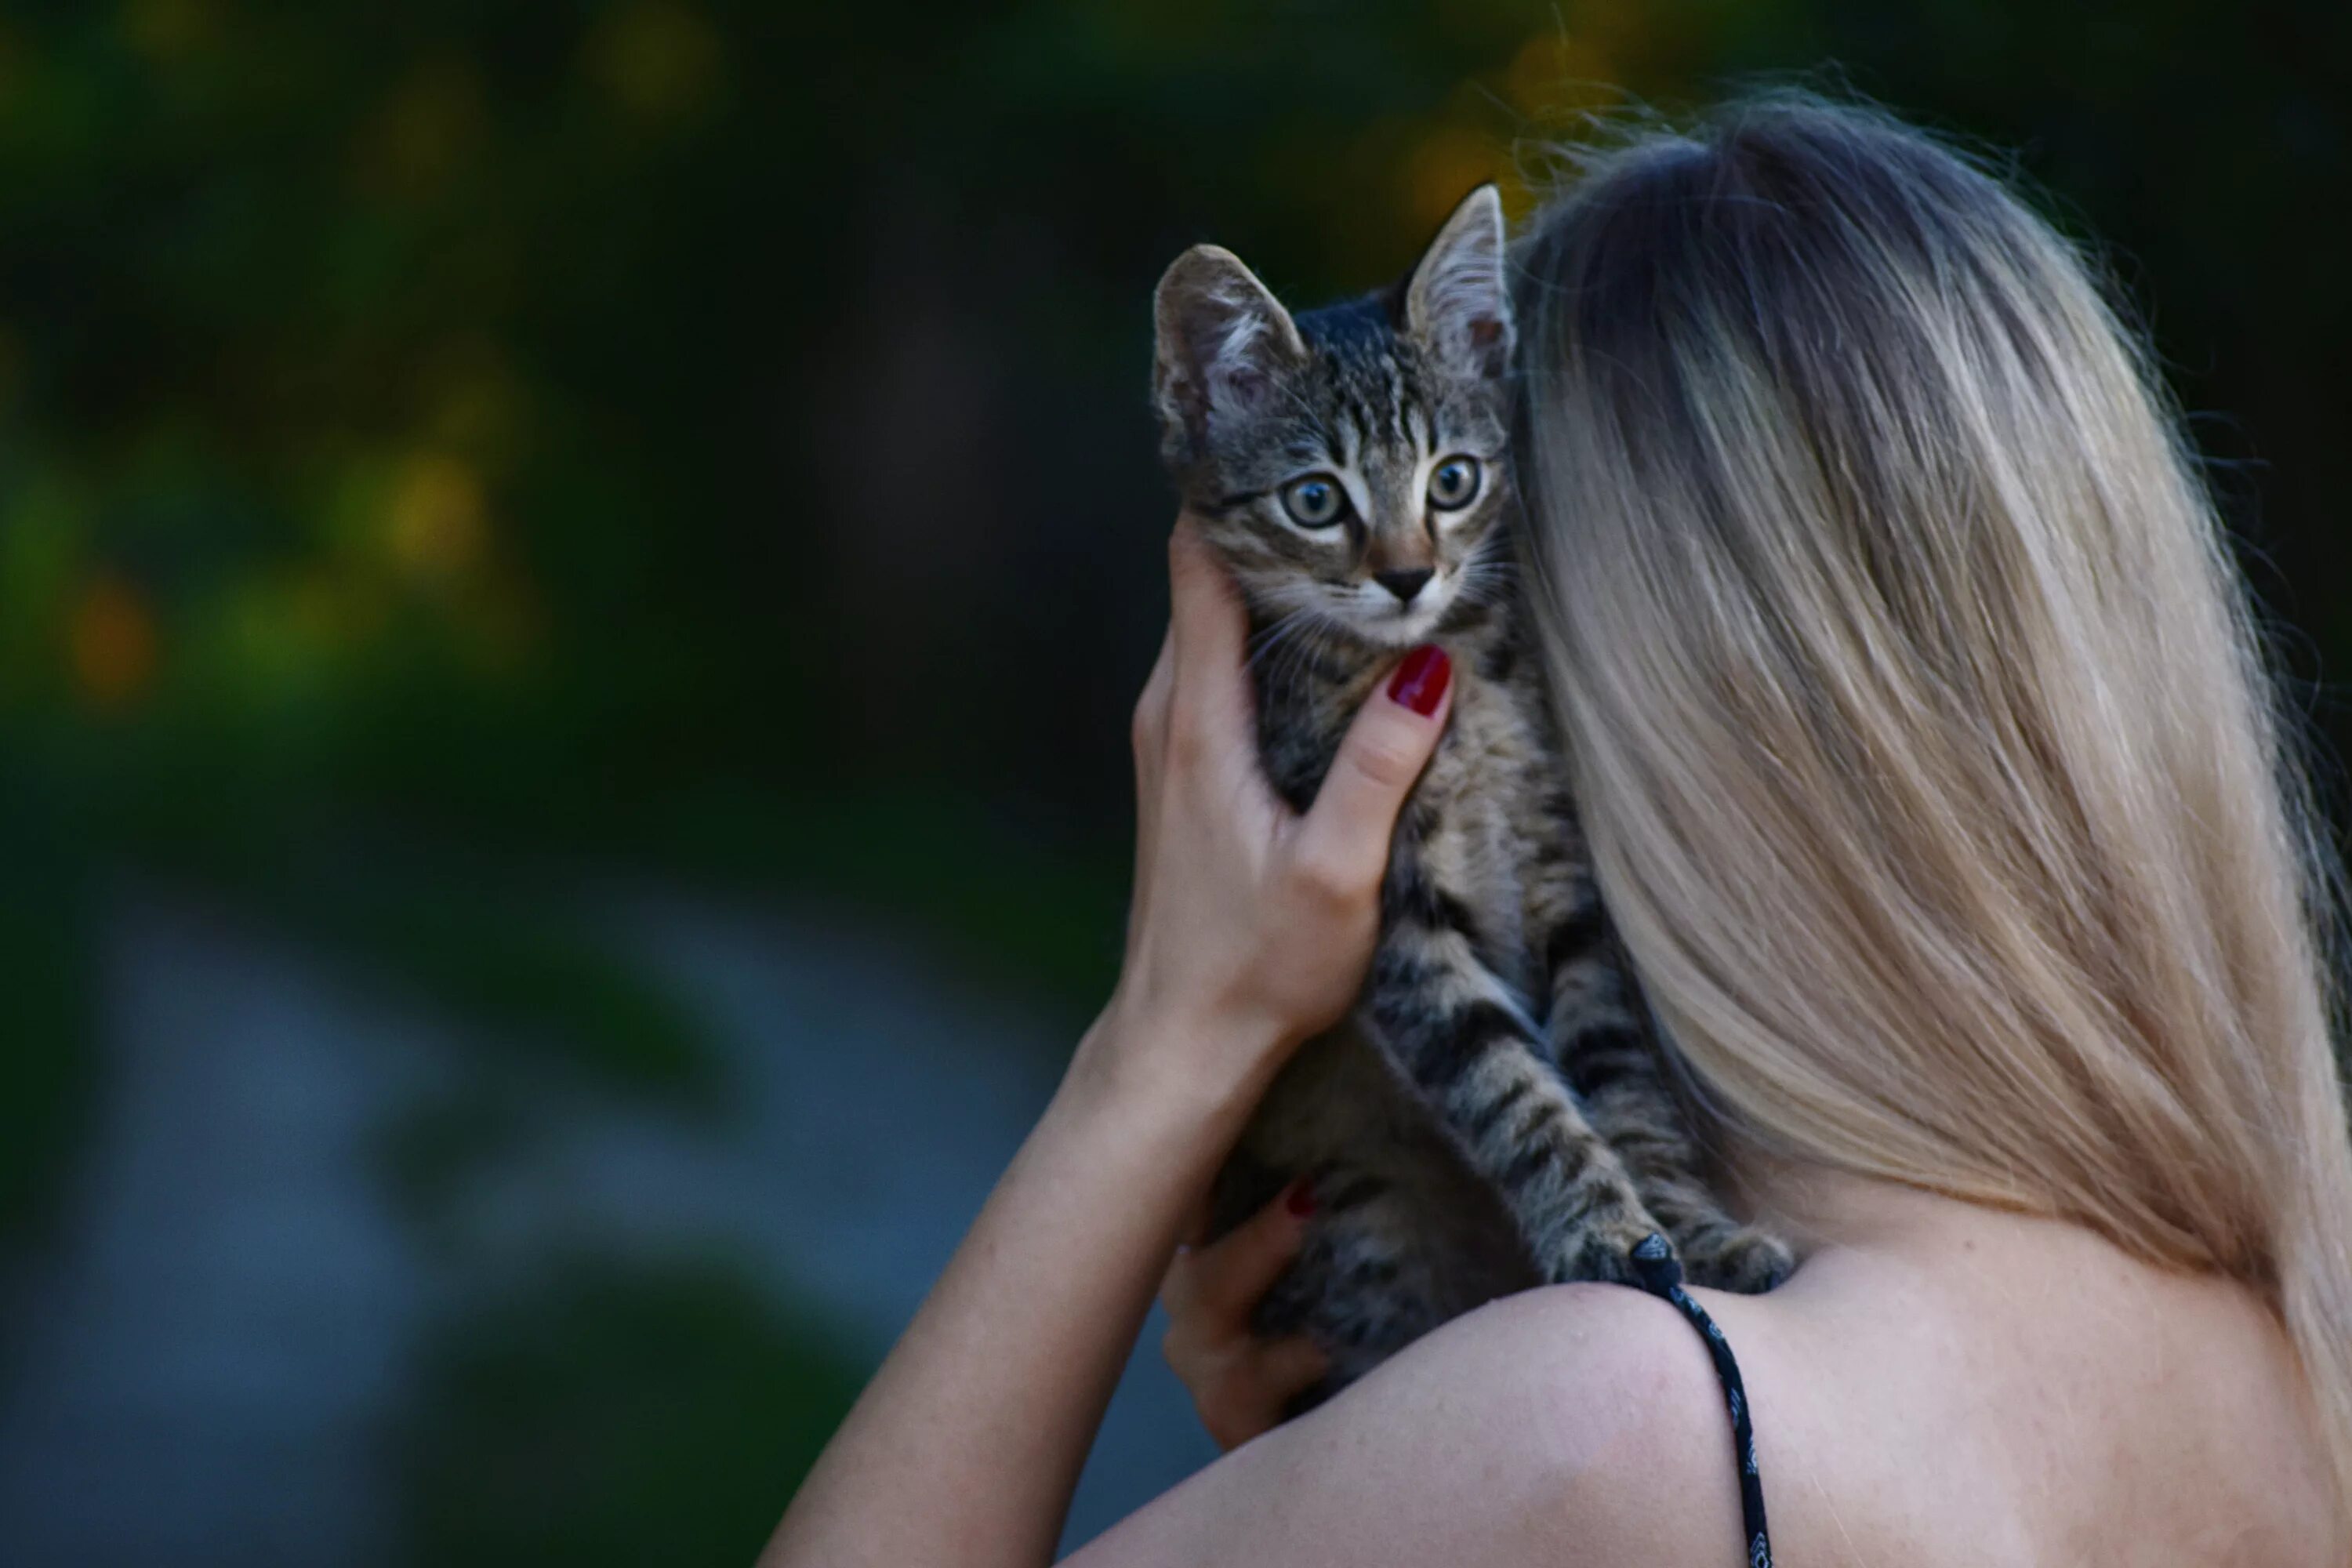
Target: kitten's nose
x,y
1403,584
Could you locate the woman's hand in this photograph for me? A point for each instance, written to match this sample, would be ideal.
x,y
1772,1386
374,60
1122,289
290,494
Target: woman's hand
x,y
1252,925
1239,1384
1250,928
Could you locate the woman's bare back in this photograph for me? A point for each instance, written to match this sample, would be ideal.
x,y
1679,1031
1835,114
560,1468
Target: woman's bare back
x,y
1944,1384
1938,1385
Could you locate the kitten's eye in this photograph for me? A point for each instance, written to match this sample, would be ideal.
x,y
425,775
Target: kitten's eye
x,y
1315,502
1453,484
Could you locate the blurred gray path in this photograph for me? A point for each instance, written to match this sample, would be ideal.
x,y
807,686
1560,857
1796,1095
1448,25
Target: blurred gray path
x,y
198,1369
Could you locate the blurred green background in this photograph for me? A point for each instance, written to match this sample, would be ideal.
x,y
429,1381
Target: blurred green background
x,y
571,576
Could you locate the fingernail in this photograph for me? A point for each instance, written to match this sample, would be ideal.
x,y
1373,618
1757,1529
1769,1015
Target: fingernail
x,y
1300,1199
1420,681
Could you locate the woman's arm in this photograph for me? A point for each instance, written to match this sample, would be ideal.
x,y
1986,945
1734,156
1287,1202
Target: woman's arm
x,y
1579,1424
1250,928
965,1447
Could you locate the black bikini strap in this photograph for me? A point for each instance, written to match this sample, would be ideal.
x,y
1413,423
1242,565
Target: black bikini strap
x,y
1661,1276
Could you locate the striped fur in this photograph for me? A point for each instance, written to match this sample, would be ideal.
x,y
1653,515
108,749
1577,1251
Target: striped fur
x,y
1497,1114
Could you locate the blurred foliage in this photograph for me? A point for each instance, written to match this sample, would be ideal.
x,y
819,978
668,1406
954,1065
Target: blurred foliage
x,y
47,955
436,1151
533,975
450,450
559,424
620,1417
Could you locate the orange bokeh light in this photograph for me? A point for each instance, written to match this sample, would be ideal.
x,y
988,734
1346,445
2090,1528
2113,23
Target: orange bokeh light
x,y
113,643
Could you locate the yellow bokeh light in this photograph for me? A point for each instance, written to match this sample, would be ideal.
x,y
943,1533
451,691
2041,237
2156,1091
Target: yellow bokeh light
x,y
1444,167
657,59
166,30
426,125
112,641
1560,72
474,404
439,523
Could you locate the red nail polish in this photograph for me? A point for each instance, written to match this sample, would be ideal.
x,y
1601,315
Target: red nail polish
x,y
1420,681
1300,1199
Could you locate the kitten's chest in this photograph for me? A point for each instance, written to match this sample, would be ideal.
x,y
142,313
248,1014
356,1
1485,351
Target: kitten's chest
x,y
1476,820
1305,704
1493,743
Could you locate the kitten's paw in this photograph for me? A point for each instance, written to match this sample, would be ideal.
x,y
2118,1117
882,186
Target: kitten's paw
x,y
1742,1260
1603,1250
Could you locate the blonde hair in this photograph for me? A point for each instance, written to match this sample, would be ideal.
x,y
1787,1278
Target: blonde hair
x,y
1923,735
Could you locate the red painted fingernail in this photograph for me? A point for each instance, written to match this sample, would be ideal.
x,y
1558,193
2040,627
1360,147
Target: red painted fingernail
x,y
1300,1199
1420,681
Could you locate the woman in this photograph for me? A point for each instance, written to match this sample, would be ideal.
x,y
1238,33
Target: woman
x,y
1934,783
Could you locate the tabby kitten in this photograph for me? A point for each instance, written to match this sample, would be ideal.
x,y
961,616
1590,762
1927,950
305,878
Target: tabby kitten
x,y
1497,1115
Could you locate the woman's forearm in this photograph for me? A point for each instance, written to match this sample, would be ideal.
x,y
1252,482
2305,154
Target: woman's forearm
x,y
968,1442
1250,930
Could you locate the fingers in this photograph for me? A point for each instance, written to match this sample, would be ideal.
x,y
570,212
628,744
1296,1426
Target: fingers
x,y
1205,610
1216,1288
1241,1384
1287,1369
1149,731
1210,706
1247,1394
1345,839
1196,1223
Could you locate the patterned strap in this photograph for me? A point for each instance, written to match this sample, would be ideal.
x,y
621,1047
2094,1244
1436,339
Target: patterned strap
x,y
1661,1276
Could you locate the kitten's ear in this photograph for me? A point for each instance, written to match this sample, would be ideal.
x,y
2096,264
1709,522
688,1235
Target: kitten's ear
x,y
1224,339
1458,301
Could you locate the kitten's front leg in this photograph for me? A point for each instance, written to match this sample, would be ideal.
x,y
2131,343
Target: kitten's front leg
x,y
1461,1036
1602,1044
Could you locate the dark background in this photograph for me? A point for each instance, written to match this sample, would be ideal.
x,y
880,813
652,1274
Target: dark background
x,y
570,577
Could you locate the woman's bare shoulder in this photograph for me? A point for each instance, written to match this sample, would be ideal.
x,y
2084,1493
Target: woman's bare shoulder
x,y
1999,1388
2003,1394
1603,1403
1588,1413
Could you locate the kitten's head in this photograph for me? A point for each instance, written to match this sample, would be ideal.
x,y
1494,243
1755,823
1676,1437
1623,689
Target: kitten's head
x,y
1348,463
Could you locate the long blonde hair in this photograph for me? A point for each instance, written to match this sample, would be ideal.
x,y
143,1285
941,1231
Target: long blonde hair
x,y
1924,741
